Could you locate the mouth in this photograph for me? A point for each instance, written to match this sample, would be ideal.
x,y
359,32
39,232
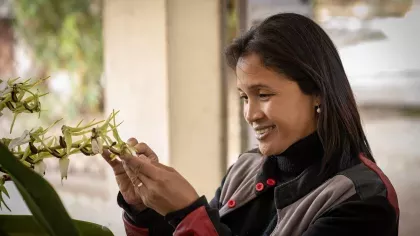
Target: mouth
x,y
263,132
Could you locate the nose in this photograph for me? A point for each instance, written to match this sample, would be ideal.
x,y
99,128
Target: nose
x,y
252,112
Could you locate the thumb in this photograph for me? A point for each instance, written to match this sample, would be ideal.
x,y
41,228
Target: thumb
x,y
131,174
115,163
106,155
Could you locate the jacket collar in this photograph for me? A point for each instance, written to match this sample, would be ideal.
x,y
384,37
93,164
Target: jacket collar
x,y
290,165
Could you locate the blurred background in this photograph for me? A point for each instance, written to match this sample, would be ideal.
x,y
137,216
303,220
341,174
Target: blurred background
x,y
160,62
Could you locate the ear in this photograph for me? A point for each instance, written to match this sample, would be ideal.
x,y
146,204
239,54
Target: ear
x,y
317,100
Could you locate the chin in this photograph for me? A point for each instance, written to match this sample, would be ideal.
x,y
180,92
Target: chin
x,y
268,150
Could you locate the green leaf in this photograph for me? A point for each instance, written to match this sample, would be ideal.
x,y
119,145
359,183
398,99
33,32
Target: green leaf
x,y
39,195
3,190
26,225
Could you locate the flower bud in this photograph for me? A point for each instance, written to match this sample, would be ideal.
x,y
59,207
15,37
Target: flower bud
x,y
25,138
62,142
85,151
97,146
32,147
64,167
40,167
14,95
57,154
10,106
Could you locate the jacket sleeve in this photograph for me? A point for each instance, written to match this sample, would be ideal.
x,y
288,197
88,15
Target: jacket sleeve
x,y
143,223
200,218
373,216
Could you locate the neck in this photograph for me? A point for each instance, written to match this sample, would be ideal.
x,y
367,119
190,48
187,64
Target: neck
x,y
292,162
299,156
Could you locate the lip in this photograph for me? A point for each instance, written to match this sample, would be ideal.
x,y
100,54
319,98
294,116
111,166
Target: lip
x,y
261,136
256,128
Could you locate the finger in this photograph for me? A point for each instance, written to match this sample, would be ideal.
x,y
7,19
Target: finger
x,y
142,191
107,156
132,176
142,148
138,179
141,165
162,166
132,142
114,163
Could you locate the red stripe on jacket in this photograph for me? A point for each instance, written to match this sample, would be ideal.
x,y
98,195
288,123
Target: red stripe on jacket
x,y
132,230
197,223
391,194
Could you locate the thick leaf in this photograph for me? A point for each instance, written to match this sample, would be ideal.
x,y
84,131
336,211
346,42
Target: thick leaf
x,y
3,190
39,195
26,225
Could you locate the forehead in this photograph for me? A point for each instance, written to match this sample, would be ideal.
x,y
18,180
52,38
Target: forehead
x,y
252,73
249,65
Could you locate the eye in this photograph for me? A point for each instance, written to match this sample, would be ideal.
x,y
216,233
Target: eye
x,y
264,96
243,97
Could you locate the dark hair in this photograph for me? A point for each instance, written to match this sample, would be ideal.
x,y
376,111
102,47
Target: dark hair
x,y
297,47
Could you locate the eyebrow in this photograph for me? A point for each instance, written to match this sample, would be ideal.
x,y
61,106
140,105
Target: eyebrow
x,y
256,86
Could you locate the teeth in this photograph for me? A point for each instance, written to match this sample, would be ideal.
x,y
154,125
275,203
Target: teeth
x,y
262,131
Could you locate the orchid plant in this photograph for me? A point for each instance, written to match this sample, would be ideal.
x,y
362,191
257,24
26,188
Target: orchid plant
x,y
34,145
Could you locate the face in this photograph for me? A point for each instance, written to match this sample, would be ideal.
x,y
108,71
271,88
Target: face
x,y
278,111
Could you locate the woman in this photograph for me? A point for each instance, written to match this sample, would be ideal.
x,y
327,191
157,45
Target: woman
x,y
313,172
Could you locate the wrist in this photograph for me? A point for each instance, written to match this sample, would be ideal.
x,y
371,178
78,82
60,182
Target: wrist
x,y
130,208
175,217
138,207
180,205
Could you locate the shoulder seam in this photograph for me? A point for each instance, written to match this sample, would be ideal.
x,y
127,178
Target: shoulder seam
x,y
391,194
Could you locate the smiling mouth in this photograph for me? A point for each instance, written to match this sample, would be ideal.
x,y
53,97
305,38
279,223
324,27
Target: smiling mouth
x,y
263,132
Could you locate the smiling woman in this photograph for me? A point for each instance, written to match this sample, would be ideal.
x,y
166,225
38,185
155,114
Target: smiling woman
x,y
313,173
274,105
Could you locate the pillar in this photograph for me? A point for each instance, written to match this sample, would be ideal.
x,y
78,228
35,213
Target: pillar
x,y
163,72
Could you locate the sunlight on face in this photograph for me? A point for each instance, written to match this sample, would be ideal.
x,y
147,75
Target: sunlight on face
x,y
279,112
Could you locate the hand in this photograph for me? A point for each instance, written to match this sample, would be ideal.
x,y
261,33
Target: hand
x,y
128,190
161,187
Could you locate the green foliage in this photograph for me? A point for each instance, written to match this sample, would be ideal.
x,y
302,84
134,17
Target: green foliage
x,y
21,160
15,97
36,144
49,214
3,191
65,35
39,196
11,225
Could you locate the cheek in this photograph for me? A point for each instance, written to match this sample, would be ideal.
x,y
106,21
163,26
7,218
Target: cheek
x,y
291,117
282,114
